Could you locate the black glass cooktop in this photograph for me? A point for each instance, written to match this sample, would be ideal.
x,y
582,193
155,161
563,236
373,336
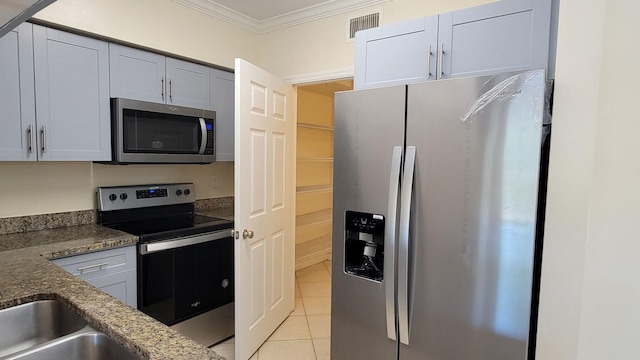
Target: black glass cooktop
x,y
161,223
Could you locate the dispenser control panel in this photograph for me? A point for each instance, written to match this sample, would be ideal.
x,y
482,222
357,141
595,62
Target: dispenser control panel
x,y
364,245
364,227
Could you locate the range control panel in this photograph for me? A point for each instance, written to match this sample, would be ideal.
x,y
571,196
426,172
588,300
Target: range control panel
x,y
137,196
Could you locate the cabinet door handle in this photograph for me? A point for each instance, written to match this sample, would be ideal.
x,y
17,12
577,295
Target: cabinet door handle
x,y
429,62
162,87
170,91
30,139
43,139
91,267
440,57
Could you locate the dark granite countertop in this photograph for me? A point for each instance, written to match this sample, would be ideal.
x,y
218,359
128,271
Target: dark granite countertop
x,y
27,275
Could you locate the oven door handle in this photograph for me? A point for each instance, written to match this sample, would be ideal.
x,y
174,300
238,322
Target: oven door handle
x,y
203,141
182,242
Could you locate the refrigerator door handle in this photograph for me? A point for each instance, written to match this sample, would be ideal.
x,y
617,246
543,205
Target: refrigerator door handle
x,y
390,243
403,244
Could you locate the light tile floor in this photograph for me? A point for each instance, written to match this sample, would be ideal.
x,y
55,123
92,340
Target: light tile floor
x,y
305,334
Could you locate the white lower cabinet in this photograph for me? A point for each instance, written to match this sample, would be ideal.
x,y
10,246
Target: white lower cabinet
x,y
113,271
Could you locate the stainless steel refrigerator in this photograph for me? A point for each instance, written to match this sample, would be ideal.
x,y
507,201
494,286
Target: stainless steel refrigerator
x,y
437,222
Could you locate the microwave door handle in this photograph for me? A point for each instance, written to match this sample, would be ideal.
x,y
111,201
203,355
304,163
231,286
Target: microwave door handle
x,y
203,132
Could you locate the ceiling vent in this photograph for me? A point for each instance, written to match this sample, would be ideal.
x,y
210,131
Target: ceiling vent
x,y
362,23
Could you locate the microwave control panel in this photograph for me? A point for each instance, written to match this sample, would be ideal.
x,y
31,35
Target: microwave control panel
x,y
210,136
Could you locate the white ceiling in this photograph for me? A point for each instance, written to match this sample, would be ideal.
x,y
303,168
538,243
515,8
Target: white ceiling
x,y
262,16
263,10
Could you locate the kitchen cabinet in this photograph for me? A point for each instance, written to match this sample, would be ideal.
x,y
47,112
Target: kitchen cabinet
x,y
56,96
17,98
113,271
396,54
142,75
72,96
507,35
222,102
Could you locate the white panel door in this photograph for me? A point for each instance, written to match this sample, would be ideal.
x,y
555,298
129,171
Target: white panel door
x,y
264,211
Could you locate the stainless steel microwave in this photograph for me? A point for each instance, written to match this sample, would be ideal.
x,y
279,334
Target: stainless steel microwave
x,y
150,133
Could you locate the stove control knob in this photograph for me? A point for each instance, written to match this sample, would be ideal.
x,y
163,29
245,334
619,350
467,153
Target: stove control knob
x,y
113,197
187,191
178,192
123,196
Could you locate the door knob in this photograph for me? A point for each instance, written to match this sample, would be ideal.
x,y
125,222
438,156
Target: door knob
x,y
247,234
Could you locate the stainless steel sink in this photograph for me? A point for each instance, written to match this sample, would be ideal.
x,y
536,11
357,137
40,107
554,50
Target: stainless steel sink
x,y
90,345
49,330
28,325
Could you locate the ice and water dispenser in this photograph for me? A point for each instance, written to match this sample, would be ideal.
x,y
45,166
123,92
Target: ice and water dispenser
x,y
364,245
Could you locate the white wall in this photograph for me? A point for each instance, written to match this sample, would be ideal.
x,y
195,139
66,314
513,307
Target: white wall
x,y
590,283
321,46
37,188
318,46
49,187
159,24
590,287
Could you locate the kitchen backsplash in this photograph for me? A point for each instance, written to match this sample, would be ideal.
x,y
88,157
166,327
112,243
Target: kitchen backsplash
x,y
18,224
46,221
215,203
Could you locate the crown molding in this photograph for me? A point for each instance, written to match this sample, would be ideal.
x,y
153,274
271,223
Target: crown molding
x,y
320,11
321,76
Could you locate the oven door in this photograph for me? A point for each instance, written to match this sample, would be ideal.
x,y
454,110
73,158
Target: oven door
x,y
158,133
181,278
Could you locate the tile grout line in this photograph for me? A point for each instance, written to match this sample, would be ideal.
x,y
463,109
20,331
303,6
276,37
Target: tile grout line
x,y
306,318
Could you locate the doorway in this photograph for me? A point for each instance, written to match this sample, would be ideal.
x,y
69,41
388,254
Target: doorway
x,y
314,172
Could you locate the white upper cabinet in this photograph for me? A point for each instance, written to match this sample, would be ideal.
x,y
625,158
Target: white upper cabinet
x,y
72,96
188,84
17,100
399,53
142,75
64,79
507,35
136,74
222,102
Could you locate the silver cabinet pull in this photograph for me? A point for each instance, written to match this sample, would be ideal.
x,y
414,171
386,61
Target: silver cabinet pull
x,y
429,63
92,267
43,139
162,87
30,139
440,57
247,234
